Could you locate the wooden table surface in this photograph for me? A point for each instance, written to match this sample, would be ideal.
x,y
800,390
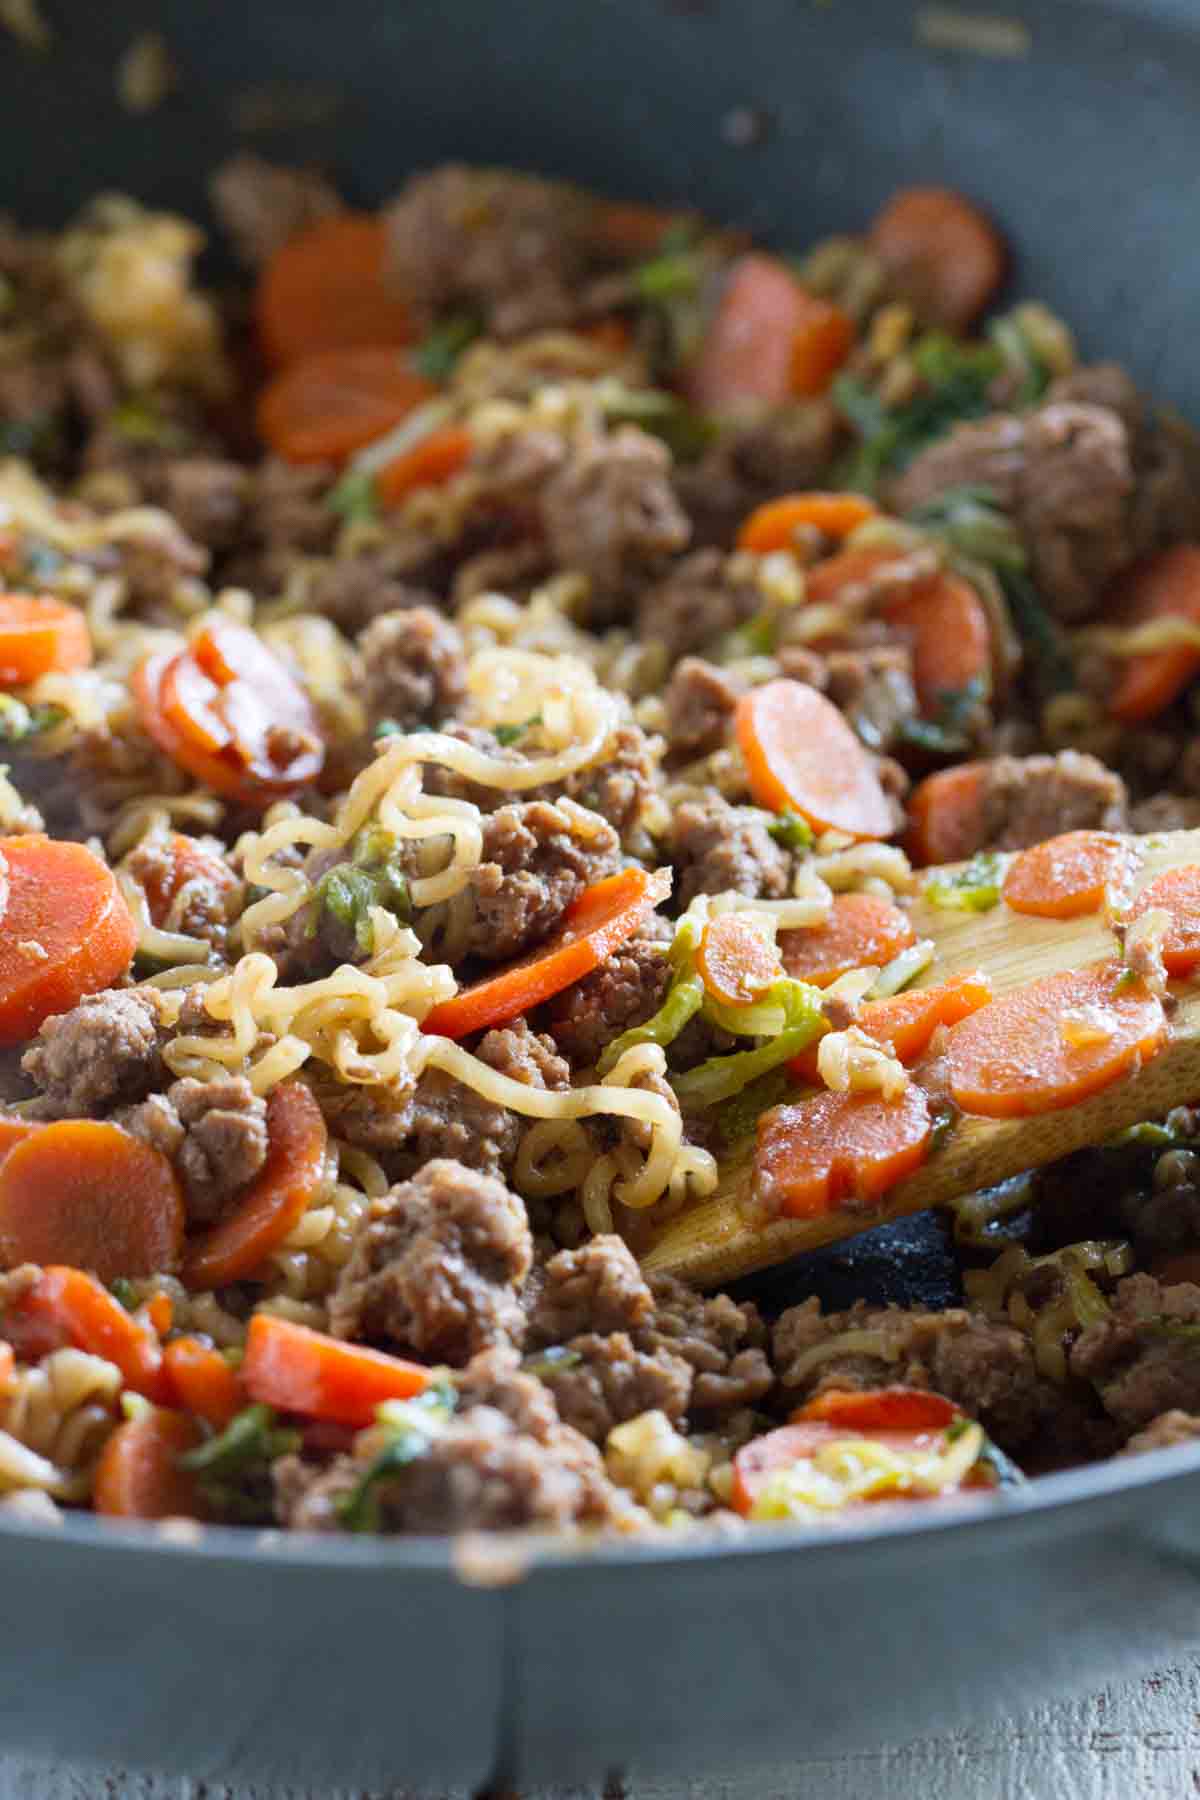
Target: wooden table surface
x,y
1139,1740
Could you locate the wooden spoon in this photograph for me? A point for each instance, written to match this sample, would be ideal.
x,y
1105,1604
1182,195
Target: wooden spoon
x,y
716,1240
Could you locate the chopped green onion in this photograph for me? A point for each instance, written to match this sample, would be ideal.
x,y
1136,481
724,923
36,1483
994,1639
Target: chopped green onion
x,y
354,497
122,1289
672,275
973,888
20,721
508,734
373,876
438,352
549,1362
793,832
412,1426
233,1469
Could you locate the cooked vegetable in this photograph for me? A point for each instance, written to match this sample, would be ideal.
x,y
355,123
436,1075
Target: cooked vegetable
x,y
769,339
408,1432
66,931
301,1371
139,1475
947,625
976,887
202,1381
276,1199
905,1023
374,875
838,1149
955,379
797,1023
1166,587
1068,875
802,757
737,959
941,251
38,636
600,919
70,1307
1177,892
682,1001
326,290
228,711
861,930
232,1470
943,815
83,1191
774,525
1051,1044
437,458
185,862
331,404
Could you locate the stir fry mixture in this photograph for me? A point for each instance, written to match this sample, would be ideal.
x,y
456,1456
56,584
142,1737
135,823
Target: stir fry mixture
x,y
477,698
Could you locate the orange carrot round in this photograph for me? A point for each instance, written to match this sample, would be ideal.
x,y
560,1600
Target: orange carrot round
x,y
737,961
302,1371
276,1199
768,340
326,290
329,405
861,929
185,861
942,252
1068,875
201,1381
944,620
68,1306
40,635
801,756
85,1192
66,931
835,576
602,917
434,460
138,1475
905,1023
774,525
228,711
880,1409
1053,1043
837,1151
1166,586
1177,891
945,815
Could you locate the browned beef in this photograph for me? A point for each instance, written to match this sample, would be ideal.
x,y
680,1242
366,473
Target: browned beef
x,y
1144,1359
105,1052
624,991
509,246
716,848
611,514
387,578
700,700
226,1141
601,1381
414,667
448,1119
437,1266
1027,799
537,859
874,688
698,602
1163,1433
620,785
523,1055
597,1288
260,204
724,1343
788,450
208,498
1165,812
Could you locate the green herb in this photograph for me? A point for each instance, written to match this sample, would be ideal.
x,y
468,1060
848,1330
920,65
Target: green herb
x,y
354,496
1020,355
682,1001
674,274
19,721
686,433
374,876
436,355
793,832
955,379
508,734
974,888
549,1362
943,1121
738,1117
798,1006
947,733
140,420
233,1469
122,1289
757,637
411,1428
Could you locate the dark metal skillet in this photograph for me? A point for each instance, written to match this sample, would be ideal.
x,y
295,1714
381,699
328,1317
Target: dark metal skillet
x,y
348,1665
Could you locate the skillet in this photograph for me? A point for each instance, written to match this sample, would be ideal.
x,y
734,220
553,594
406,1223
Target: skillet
x,y
350,1665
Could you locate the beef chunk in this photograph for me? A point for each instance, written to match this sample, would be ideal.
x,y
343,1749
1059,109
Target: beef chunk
x,y
524,1055
1024,800
626,990
724,1343
537,859
509,246
1144,1359
388,578
1163,1433
874,688
621,785
602,1381
700,701
788,450
611,514
261,204
415,671
718,848
105,1052
437,1266
597,1288
287,517
208,498
701,599
225,1144
444,1118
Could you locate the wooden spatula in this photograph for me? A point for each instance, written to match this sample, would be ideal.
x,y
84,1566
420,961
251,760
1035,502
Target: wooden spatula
x,y
716,1240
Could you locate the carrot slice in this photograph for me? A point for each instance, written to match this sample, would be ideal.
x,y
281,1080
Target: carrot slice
x,y
737,961
303,1371
70,1307
861,929
138,1475
768,340
774,526
326,290
801,756
602,917
66,932
434,460
1177,891
228,711
85,1192
38,636
1166,586
276,1199
329,405
838,1151
185,861
880,1409
905,1023
942,252
1051,1044
202,1382
1068,875
946,623
831,578
945,815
